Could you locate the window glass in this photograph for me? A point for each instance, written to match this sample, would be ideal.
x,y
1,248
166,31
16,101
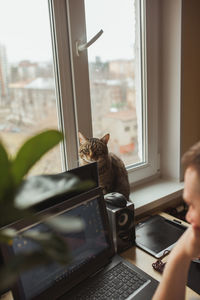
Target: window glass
x,y
115,75
27,89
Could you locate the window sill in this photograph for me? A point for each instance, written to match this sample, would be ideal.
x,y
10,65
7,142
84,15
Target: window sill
x,y
151,195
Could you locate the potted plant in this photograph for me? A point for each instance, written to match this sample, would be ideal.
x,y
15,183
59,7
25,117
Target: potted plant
x,y
17,196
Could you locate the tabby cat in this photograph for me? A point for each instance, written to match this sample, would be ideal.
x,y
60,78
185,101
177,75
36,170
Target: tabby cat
x,y
113,176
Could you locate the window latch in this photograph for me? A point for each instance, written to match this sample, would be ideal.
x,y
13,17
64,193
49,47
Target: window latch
x,y
83,46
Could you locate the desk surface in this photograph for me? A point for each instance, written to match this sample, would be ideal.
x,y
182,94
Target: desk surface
x,y
142,260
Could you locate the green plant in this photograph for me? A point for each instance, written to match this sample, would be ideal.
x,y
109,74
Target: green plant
x,y
17,196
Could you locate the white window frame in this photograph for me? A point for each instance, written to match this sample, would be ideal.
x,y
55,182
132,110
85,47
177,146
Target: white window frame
x,y
68,21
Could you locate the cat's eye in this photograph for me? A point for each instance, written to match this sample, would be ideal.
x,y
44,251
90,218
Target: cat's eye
x,y
85,151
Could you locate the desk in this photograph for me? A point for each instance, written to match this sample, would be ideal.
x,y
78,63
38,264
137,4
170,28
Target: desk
x,y
142,260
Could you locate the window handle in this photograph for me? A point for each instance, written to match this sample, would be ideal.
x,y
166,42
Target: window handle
x,y
83,46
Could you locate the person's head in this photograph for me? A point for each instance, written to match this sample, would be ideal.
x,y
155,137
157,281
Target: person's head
x,y
191,194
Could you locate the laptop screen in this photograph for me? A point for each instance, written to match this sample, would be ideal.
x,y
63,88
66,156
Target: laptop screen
x,y
86,246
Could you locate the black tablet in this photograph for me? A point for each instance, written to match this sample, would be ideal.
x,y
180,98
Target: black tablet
x,y
157,234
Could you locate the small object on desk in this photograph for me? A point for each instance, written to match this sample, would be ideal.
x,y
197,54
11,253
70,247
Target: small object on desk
x,y
116,199
177,221
159,264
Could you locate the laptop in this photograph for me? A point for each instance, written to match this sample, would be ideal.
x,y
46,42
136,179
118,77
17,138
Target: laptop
x,y
95,271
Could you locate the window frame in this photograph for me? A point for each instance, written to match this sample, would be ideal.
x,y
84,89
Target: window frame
x,y
73,82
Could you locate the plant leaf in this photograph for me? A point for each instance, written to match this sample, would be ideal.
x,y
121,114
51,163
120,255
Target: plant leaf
x,y
10,214
20,263
4,161
32,150
53,248
51,243
7,235
6,180
65,223
36,189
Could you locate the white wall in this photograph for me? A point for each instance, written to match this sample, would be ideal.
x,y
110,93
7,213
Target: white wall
x,y
170,87
190,73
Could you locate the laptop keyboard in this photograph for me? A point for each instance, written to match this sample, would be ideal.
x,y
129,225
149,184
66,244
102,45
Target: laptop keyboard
x,y
118,283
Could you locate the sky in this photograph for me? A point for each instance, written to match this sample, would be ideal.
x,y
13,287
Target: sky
x,y
116,18
25,29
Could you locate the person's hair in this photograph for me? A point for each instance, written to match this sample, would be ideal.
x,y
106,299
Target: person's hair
x,y
192,157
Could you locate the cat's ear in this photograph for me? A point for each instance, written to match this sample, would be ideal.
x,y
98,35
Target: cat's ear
x,y
105,138
82,139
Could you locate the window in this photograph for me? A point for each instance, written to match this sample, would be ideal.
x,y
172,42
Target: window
x,y
101,89
114,75
110,78
27,85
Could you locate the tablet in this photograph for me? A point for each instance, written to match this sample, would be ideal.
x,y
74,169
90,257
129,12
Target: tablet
x,y
158,234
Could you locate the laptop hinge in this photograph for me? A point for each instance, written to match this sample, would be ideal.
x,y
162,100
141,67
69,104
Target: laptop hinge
x,y
100,269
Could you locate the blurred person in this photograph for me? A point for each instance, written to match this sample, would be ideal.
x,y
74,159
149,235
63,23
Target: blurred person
x,y
174,279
